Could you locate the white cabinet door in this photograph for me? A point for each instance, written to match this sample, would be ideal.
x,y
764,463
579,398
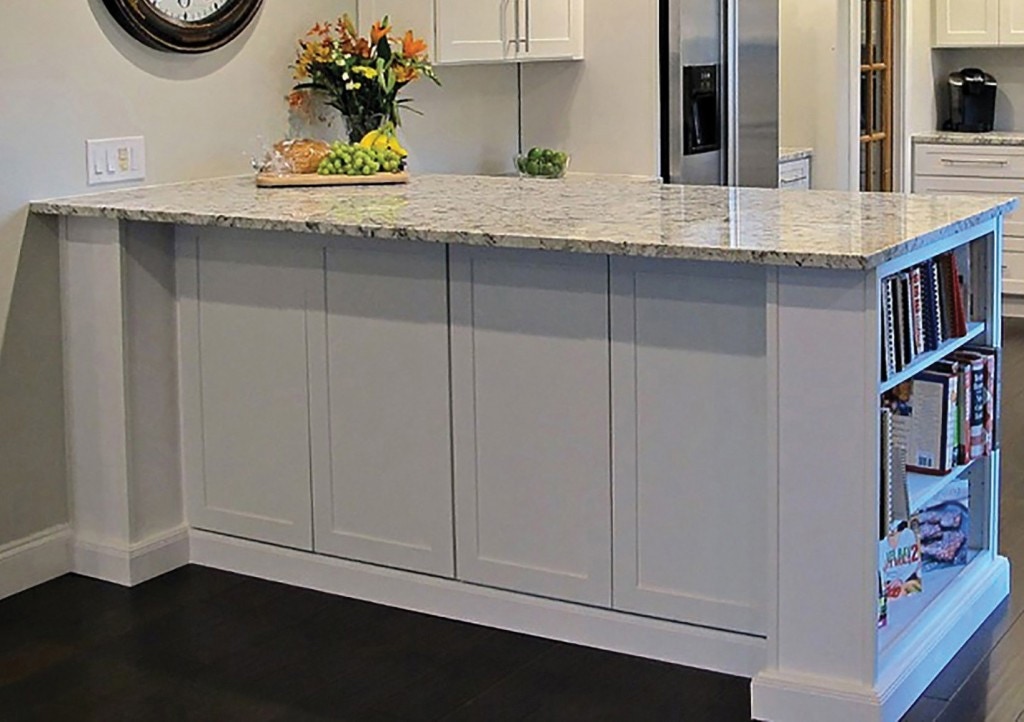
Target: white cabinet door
x,y
1011,22
971,23
692,476
249,306
386,497
551,29
475,31
530,359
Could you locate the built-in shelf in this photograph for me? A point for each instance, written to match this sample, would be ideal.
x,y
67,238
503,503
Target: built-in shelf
x,y
922,488
927,359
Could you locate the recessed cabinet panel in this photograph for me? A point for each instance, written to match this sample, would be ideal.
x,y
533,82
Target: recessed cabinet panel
x,y
474,31
1011,22
387,497
690,378
551,29
971,23
248,308
531,422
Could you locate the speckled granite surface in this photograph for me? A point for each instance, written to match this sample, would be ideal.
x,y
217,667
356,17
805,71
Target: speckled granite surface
x,y
950,138
787,155
586,215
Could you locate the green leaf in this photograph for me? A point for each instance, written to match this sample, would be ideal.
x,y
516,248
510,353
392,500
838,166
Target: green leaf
x,y
384,49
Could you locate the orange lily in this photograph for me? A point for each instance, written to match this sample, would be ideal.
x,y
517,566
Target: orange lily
x,y
412,47
378,31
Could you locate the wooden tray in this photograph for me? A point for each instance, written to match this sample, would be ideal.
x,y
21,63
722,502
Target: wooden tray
x,y
292,180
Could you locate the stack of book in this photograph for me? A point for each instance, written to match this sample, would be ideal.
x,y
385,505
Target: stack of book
x,y
923,307
945,417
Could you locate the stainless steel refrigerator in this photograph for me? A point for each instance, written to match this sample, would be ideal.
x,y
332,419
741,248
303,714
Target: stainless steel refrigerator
x,y
720,92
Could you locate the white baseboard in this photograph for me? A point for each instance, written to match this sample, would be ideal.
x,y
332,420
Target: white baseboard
x,y
133,565
721,651
955,616
36,559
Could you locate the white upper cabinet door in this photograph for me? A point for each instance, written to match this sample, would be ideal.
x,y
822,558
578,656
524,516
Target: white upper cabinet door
x,y
1011,22
971,23
475,31
550,29
386,497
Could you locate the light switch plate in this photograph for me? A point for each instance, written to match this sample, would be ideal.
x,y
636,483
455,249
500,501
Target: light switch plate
x,y
113,160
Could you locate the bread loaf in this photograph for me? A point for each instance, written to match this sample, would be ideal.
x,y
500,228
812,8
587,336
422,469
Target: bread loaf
x,y
301,154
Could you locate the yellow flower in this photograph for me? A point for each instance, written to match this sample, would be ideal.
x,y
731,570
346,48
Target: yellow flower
x,y
366,72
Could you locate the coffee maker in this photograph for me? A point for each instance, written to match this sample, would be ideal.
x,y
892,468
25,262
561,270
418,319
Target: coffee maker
x,y
972,101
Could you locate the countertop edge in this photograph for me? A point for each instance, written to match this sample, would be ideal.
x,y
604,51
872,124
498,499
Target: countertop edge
x,y
837,261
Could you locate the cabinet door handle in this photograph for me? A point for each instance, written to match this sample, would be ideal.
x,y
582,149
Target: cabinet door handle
x,y
527,25
976,161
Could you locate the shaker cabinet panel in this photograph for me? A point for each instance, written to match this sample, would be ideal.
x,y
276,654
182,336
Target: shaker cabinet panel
x,y
690,380
531,422
248,307
475,31
551,29
1011,22
386,495
971,23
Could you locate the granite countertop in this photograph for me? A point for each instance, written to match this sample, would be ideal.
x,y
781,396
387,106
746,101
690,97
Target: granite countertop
x,y
946,137
787,155
598,214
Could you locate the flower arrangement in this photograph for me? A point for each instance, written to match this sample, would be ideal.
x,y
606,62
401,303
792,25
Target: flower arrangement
x,y
360,77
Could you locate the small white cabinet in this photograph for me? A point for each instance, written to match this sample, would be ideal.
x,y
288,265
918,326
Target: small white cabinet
x,y
982,169
488,31
795,175
385,494
531,417
249,307
973,23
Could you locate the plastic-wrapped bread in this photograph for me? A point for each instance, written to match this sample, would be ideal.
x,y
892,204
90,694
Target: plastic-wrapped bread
x,y
302,155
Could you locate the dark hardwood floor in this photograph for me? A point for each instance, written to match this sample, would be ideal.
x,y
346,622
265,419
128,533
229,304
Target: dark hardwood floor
x,y
199,644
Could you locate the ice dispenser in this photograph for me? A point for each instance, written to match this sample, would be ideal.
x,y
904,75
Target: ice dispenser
x,y
701,108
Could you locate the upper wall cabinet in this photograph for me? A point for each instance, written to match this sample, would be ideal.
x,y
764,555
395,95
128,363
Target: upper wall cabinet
x,y
978,23
488,31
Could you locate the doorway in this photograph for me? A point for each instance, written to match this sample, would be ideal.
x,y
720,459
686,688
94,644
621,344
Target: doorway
x,y
877,33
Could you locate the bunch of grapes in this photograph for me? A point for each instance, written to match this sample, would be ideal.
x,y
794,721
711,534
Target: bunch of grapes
x,y
356,159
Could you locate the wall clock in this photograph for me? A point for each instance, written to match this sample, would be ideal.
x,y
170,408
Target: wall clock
x,y
184,26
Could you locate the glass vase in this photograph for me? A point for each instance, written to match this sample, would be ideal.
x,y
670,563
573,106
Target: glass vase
x,y
358,126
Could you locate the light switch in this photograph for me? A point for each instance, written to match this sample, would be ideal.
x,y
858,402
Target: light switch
x,y
113,160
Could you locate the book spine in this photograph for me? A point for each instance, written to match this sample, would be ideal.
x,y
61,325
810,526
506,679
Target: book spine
x,y
951,415
936,292
917,306
991,402
959,311
888,328
886,517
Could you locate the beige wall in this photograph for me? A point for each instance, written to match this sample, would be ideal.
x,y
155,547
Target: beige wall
x,y
68,73
603,110
815,72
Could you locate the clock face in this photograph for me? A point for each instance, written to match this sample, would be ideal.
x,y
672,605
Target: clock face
x,y
189,11
184,26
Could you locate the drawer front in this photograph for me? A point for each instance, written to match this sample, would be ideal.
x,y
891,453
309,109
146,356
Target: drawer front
x,y
969,161
1013,272
978,186
794,173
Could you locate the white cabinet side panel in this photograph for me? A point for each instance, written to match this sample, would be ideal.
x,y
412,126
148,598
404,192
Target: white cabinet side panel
x,y
690,432
388,498
531,421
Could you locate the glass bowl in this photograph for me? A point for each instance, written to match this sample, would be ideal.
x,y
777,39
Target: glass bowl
x,y
542,163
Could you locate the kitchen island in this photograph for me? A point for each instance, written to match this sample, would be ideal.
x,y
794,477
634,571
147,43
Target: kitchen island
x,y
634,416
